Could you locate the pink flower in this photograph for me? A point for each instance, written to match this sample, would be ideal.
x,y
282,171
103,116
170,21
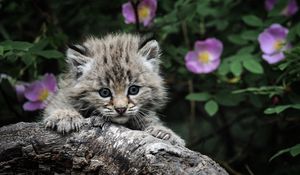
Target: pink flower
x,y
206,56
289,10
146,10
273,42
37,92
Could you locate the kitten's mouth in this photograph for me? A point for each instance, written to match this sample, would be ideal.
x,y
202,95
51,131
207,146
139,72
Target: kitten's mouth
x,y
121,119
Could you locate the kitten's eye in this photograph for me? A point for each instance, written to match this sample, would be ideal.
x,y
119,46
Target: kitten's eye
x,y
133,90
104,92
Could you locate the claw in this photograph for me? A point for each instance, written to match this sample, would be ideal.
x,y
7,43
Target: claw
x,y
166,137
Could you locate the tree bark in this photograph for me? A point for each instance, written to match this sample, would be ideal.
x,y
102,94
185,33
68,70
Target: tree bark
x,y
29,148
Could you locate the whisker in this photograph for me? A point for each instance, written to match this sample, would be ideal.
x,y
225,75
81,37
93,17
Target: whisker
x,y
147,111
140,120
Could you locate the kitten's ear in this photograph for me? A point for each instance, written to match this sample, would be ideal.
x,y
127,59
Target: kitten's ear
x,y
77,59
151,52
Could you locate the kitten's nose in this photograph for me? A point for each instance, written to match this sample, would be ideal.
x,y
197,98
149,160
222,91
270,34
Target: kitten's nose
x,y
121,110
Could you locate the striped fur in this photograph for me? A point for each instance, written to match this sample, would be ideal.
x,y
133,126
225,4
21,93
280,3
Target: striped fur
x,y
115,62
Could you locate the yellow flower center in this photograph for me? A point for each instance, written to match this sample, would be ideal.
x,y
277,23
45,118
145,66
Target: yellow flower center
x,y
204,57
278,45
43,94
143,12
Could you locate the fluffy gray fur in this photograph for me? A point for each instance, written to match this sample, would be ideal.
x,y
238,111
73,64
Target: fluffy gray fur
x,y
115,62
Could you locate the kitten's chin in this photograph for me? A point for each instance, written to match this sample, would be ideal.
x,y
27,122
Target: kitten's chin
x,y
120,119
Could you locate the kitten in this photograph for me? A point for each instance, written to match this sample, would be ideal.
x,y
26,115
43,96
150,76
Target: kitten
x,y
115,78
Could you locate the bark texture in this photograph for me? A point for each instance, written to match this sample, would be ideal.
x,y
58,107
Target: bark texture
x,y
30,148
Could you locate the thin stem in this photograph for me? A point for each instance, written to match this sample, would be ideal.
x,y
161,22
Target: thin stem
x,y
193,111
185,34
202,26
190,86
218,131
135,8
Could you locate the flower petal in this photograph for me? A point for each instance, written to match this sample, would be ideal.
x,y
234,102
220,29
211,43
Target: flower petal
x,y
194,66
269,4
275,58
33,91
147,22
49,82
128,13
291,9
212,45
266,42
210,67
191,56
32,106
278,31
152,5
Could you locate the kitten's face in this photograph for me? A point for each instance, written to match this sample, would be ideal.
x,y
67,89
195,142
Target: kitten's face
x,y
119,81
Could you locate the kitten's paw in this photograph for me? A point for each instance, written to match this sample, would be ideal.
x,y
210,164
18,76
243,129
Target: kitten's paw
x,y
64,121
164,133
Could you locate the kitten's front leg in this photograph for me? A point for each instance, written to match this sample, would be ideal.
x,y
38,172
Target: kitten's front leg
x,y
63,120
157,129
165,133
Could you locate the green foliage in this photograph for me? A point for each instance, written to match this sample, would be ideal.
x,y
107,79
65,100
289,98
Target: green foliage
x,y
252,20
198,96
211,107
253,66
28,56
263,90
279,109
236,68
294,151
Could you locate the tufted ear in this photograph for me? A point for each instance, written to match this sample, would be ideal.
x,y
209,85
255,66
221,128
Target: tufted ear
x,y
78,60
150,52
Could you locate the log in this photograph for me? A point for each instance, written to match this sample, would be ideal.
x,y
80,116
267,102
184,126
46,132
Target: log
x,y
29,148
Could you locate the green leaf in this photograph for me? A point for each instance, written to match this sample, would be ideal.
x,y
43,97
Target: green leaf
x,y
1,50
28,59
279,153
17,45
277,109
227,98
224,68
263,90
40,45
187,11
203,9
222,25
49,53
204,96
12,58
236,68
252,20
298,29
253,66
283,66
281,108
237,39
246,50
294,151
211,107
250,35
